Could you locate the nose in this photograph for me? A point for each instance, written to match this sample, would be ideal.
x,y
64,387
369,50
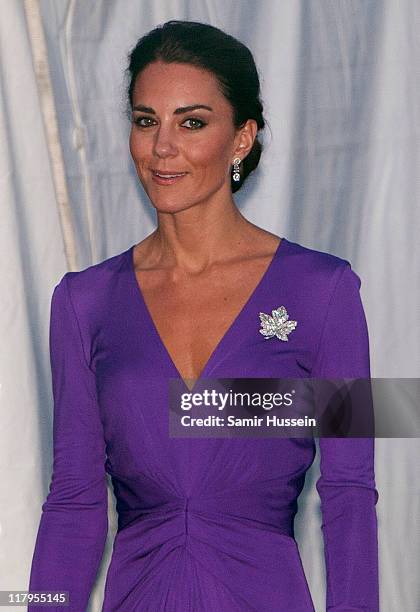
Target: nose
x,y
165,142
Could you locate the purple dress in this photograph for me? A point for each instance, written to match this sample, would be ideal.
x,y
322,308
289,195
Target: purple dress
x,y
204,524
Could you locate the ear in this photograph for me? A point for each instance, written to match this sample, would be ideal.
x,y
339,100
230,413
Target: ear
x,y
245,139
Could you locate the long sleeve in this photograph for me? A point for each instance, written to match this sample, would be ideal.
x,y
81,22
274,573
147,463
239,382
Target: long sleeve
x,y
346,485
74,521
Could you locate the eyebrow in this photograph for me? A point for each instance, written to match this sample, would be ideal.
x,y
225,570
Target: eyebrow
x,y
178,111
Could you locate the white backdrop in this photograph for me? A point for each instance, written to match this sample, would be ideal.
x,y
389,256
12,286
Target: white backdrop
x,y
339,173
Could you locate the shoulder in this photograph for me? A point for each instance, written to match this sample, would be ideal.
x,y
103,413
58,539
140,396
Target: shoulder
x,y
320,270
322,291
93,285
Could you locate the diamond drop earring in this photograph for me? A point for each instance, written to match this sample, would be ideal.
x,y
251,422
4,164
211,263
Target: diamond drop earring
x,y
235,170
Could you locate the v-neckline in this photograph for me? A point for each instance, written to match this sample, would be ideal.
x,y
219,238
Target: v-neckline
x,y
230,329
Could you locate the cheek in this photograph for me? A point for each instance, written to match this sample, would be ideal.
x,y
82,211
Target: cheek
x,y
211,156
137,148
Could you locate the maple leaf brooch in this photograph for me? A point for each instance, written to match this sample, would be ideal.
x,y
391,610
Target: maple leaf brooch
x,y
277,324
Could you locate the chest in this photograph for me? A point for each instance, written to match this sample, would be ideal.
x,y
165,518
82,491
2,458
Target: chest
x,y
192,316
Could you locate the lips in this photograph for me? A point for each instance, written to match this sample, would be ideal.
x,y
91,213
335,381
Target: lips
x,y
167,178
168,173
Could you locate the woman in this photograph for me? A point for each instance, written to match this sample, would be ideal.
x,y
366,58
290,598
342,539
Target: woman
x,y
203,524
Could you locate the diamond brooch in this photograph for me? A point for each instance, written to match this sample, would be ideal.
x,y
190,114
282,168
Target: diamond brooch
x,y
277,324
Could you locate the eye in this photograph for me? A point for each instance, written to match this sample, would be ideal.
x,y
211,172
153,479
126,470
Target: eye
x,y
201,123
139,119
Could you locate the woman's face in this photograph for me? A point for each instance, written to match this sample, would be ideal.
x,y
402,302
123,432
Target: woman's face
x,y
201,143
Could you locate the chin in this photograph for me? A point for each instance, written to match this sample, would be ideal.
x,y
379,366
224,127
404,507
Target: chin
x,y
174,208
169,205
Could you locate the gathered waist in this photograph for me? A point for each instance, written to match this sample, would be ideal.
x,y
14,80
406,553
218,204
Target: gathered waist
x,y
240,508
